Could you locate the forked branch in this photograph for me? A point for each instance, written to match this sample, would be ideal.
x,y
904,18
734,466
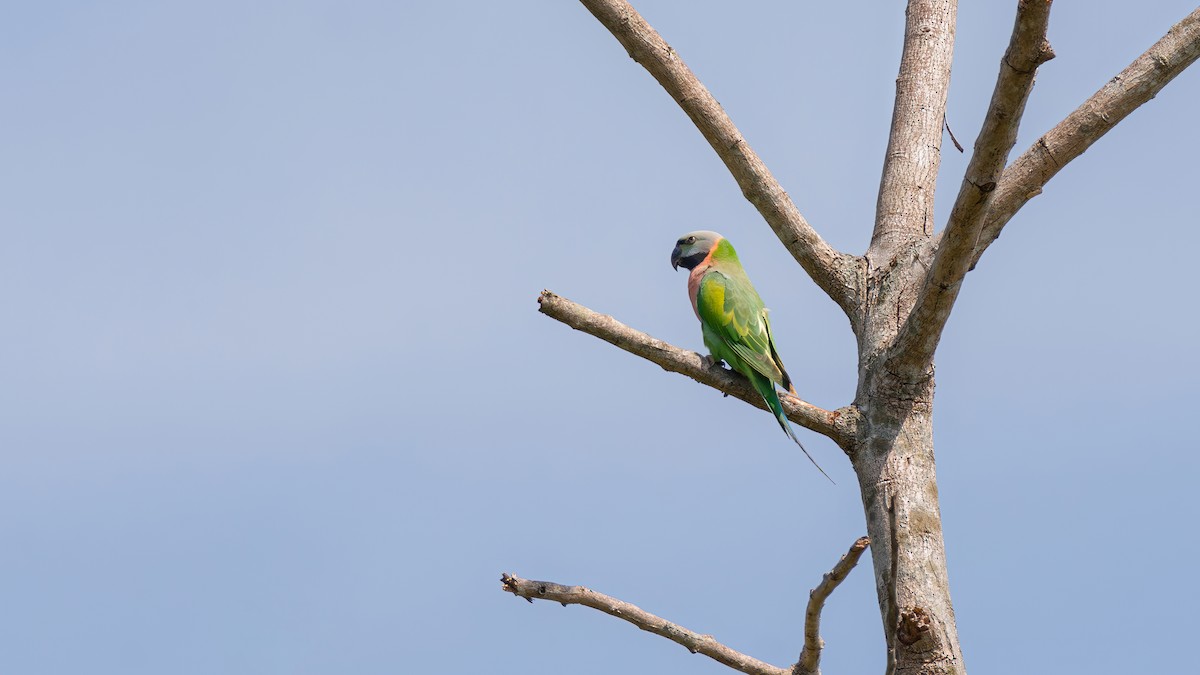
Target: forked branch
x,y
1138,83
810,656
694,642
838,425
1027,49
834,272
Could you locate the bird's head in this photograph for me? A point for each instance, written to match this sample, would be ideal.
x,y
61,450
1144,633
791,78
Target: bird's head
x,y
692,248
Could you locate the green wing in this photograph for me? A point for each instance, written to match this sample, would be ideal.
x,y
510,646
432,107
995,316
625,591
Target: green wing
x,y
730,307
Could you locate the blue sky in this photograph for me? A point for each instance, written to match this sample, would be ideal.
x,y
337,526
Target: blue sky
x,y
275,397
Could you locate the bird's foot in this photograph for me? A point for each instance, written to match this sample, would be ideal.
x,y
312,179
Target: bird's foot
x,y
708,362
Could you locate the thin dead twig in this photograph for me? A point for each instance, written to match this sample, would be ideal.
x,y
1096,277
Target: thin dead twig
x,y
810,655
693,641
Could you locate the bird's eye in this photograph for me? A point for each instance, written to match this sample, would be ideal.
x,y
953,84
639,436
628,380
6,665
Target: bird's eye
x,y
689,240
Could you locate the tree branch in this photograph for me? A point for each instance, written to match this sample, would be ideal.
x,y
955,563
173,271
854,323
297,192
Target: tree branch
x,y
839,425
694,642
834,272
1137,84
810,656
910,167
1027,49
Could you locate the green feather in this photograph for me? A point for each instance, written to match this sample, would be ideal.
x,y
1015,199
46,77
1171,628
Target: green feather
x,y
737,331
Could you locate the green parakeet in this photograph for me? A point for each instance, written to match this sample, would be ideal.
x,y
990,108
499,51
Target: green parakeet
x,y
733,318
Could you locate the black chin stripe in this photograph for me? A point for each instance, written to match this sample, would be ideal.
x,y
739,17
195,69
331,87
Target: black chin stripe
x,y
691,261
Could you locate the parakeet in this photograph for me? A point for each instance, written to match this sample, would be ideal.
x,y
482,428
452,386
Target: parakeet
x,y
733,318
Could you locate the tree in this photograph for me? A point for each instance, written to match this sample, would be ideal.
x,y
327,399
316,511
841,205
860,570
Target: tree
x,y
897,296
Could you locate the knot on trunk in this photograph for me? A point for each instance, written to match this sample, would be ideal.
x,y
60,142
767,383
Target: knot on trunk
x,y
914,625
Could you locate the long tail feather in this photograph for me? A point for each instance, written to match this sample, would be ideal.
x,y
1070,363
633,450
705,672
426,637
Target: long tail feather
x,y
777,408
788,428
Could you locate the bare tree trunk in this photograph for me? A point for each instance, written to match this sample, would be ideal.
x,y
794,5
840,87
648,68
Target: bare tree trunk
x,y
893,459
892,455
898,297
893,451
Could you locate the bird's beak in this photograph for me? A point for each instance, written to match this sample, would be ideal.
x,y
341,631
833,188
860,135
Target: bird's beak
x,y
676,255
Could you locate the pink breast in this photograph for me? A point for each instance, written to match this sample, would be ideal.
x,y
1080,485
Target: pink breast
x,y
694,284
